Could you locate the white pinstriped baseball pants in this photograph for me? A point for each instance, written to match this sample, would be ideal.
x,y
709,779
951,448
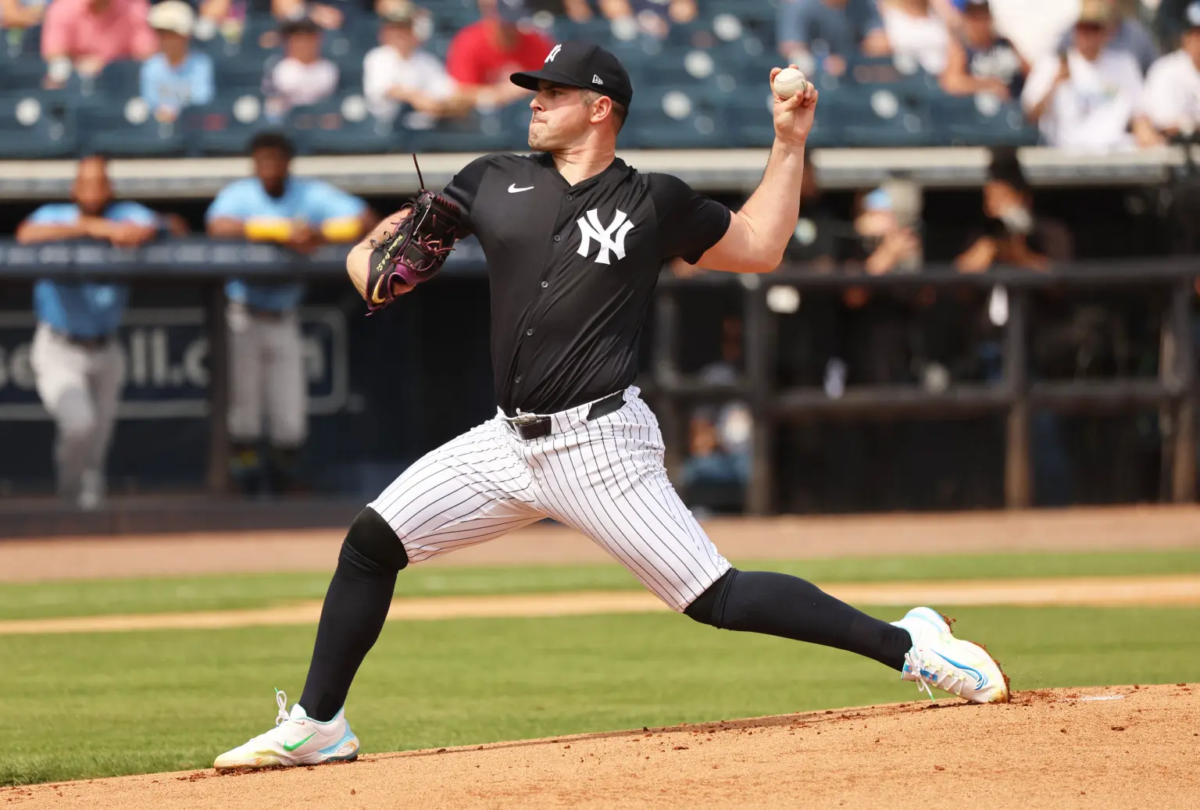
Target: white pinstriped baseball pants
x,y
605,478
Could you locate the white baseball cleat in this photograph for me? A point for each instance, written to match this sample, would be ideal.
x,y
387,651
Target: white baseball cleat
x,y
296,740
959,667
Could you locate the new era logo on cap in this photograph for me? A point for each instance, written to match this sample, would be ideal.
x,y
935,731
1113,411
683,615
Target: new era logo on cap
x,y
580,64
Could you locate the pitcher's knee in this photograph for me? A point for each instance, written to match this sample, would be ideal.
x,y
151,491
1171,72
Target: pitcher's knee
x,y
372,546
709,607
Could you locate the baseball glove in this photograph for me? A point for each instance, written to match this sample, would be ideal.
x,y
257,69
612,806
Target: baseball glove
x,y
416,250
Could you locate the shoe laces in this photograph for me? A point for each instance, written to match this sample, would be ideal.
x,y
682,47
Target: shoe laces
x,y
948,678
281,701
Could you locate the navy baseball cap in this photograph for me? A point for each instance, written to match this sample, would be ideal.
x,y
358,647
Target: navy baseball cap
x,y
578,64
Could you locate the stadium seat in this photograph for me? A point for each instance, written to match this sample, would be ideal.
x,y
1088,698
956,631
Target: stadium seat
x,y
676,119
905,79
876,117
33,128
242,73
341,125
22,73
20,43
226,126
125,126
980,120
120,79
477,132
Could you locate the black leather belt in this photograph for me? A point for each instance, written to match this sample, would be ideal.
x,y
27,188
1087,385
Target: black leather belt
x,y
262,314
542,426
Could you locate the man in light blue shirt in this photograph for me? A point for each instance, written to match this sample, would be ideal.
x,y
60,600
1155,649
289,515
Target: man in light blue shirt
x,y
77,362
175,77
266,351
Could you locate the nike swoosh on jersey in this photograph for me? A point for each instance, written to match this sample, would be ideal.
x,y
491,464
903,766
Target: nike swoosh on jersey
x,y
512,188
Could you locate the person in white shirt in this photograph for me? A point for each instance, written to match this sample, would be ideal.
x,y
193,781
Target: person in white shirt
x,y
302,76
398,72
1086,98
1171,102
916,30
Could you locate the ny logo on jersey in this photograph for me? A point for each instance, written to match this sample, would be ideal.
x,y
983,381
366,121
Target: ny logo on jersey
x,y
553,53
590,228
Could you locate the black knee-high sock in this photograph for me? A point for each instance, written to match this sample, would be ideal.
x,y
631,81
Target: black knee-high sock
x,y
787,606
356,606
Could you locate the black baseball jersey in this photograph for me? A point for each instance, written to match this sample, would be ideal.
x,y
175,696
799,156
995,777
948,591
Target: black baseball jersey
x,y
572,269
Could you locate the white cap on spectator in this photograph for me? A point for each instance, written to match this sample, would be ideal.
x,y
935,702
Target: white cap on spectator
x,y
1192,15
175,16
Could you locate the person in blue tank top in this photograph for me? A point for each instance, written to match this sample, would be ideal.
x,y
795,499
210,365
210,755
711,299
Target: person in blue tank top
x,y
266,348
77,361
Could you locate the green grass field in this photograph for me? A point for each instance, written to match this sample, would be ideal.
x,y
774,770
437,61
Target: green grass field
x,y
115,596
106,704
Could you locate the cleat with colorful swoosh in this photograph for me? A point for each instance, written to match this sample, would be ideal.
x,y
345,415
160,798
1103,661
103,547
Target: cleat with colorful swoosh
x,y
954,665
296,739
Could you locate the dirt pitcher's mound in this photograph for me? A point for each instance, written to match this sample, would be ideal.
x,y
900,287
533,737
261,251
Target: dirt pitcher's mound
x,y
1112,747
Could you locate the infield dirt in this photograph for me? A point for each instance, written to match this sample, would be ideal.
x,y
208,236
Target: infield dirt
x,y
1110,747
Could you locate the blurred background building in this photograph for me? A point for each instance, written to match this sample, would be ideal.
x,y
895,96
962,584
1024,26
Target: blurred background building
x,y
985,302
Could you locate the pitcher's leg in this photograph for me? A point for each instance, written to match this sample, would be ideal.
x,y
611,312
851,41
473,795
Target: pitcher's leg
x,y
465,492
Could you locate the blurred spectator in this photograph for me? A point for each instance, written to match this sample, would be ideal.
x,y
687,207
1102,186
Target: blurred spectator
x,y
1011,234
823,34
574,10
266,349
85,35
77,360
330,16
175,77
1171,101
20,14
484,54
916,31
979,60
1125,33
720,436
399,72
653,17
303,76
1086,98
888,243
1034,26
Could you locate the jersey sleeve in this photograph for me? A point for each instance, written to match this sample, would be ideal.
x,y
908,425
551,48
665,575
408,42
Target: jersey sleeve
x,y
463,188
134,213
54,214
230,203
330,202
688,222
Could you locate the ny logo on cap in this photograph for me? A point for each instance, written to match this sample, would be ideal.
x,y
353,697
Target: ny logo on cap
x,y
553,53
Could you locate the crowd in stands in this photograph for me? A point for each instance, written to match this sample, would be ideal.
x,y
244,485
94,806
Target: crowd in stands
x,y
1088,74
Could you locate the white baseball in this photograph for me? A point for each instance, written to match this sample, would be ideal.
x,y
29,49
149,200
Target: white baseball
x,y
789,82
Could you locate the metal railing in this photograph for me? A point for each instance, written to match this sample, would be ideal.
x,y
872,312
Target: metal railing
x,y
1174,393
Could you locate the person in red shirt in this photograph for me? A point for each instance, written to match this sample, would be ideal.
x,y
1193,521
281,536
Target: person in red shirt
x,y
484,54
